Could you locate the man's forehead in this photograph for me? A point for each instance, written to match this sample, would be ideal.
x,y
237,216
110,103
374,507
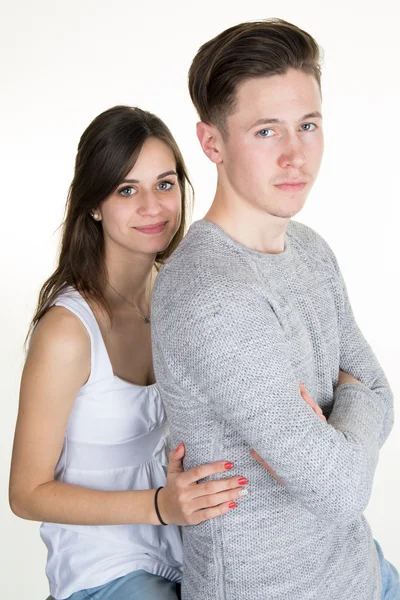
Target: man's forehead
x,y
294,93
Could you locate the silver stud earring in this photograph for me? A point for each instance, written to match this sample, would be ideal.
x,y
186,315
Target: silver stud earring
x,y
95,216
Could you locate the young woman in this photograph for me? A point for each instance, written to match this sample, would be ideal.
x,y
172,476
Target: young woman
x,y
90,445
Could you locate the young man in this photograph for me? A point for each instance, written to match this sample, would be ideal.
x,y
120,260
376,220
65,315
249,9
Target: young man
x,y
249,313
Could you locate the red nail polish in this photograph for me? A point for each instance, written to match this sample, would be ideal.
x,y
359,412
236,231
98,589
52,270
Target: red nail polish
x,y
242,481
232,505
228,465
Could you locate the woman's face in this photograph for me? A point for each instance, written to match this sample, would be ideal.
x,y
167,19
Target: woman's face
x,y
144,212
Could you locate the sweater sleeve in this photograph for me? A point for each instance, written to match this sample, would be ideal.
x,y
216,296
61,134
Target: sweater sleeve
x,y
358,359
234,357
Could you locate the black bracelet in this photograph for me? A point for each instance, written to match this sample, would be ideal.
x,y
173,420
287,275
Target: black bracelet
x,y
156,506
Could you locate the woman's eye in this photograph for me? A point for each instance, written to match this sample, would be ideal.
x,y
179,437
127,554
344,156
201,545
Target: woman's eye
x,y
127,191
164,186
265,132
308,127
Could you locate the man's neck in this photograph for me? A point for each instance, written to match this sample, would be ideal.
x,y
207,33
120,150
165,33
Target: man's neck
x,y
248,225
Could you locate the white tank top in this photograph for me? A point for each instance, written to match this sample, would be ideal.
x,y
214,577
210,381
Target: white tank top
x,y
116,439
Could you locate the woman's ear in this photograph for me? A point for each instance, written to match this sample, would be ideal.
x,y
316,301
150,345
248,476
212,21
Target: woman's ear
x,y
210,140
96,214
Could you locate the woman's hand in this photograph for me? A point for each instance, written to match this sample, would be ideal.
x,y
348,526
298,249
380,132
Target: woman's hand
x,y
183,501
318,411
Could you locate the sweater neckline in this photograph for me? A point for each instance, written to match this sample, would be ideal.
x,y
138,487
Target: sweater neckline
x,y
225,238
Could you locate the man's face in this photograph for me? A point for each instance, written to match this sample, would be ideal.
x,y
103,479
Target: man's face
x,y
274,147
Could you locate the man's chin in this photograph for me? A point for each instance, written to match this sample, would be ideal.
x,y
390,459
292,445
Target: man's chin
x,y
288,211
285,214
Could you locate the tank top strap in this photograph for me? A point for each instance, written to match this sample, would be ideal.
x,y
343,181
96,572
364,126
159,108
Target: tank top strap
x,y
100,365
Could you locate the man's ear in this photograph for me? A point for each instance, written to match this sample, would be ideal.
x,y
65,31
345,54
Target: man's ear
x,y
210,140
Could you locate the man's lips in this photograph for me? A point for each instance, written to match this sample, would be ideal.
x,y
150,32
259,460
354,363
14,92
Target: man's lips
x,y
152,228
291,186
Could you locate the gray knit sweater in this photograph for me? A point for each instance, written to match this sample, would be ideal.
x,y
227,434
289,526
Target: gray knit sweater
x,y
234,330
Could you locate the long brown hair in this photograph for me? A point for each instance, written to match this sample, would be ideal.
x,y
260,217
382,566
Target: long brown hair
x,y
107,151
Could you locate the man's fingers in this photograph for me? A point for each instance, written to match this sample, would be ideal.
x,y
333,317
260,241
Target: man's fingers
x,y
307,398
266,466
346,378
262,462
311,402
258,458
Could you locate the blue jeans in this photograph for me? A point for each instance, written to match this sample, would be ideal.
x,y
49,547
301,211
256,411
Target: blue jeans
x,y
141,585
138,585
390,577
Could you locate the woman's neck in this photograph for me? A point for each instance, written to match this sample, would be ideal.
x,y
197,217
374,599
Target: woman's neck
x,y
130,278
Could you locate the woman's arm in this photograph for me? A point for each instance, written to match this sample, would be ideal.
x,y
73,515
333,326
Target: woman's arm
x,y
57,366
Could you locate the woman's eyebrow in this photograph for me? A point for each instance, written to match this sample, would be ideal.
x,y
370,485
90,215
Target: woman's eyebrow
x,y
167,173
158,177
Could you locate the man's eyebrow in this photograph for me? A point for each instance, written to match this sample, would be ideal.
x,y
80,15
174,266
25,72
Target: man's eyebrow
x,y
161,176
312,115
271,120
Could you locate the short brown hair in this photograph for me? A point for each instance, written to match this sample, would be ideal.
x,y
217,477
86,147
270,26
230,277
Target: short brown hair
x,y
247,50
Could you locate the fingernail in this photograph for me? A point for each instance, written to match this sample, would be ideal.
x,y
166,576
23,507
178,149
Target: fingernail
x,y
243,492
319,409
232,505
179,446
242,481
228,465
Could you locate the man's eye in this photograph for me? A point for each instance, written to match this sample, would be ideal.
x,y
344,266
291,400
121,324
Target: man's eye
x,y
265,133
127,191
308,127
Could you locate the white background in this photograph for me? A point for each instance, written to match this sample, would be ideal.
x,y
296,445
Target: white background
x,y
62,63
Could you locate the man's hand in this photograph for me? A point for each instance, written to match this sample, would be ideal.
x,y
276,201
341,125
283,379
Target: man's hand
x,y
262,462
306,396
317,409
346,378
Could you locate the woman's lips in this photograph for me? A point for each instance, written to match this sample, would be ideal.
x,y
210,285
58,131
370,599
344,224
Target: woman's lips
x,y
152,229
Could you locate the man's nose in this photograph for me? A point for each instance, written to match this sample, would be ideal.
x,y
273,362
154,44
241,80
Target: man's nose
x,y
293,154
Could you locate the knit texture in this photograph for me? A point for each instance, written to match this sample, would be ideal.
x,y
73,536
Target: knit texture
x,y
234,330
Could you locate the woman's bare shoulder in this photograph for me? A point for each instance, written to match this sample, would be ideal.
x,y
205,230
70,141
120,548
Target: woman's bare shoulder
x,y
60,331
